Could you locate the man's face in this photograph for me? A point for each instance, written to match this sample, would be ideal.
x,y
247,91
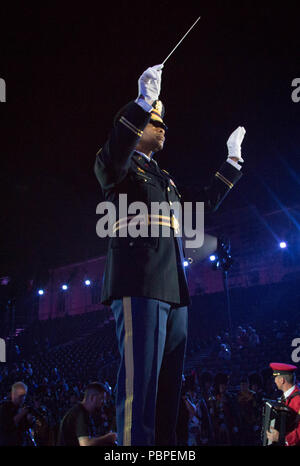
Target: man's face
x,y
19,396
279,381
98,400
153,138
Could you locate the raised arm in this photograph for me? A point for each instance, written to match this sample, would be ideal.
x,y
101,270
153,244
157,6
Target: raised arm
x,y
113,159
223,180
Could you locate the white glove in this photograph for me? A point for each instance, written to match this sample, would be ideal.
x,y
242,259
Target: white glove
x,y
149,83
234,143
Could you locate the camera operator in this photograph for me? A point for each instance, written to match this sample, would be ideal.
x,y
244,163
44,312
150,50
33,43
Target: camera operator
x,y
77,427
15,418
43,429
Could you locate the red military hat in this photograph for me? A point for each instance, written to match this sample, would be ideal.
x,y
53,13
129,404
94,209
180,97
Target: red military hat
x,y
282,369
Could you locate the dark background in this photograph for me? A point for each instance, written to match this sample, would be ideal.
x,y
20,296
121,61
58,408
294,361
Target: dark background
x,y
68,69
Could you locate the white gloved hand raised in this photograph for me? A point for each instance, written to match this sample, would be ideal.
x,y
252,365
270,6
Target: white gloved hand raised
x,y
234,144
149,83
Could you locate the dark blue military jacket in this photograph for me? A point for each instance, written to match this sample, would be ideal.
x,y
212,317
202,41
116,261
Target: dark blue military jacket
x,y
147,266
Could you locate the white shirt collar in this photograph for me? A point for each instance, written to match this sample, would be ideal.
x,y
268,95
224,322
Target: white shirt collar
x,y
289,392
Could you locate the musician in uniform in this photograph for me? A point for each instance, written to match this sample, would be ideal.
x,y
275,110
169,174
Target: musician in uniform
x,y
144,279
285,380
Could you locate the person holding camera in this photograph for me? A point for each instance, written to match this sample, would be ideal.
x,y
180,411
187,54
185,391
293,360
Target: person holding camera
x,y
15,418
77,426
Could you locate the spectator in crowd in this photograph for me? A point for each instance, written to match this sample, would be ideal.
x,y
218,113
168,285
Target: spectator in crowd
x,y
206,384
270,389
15,419
194,421
224,412
108,414
249,416
77,427
216,345
256,385
205,432
253,338
242,338
224,352
182,428
43,430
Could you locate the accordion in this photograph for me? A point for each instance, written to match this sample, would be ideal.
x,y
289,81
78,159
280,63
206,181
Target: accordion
x,y
279,416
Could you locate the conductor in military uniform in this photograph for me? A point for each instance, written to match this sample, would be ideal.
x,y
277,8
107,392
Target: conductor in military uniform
x,y
144,278
285,380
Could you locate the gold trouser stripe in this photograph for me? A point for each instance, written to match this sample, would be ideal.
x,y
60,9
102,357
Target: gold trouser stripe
x,y
129,372
130,126
222,178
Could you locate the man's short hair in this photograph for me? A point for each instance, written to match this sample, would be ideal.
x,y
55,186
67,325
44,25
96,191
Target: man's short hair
x,y
94,388
17,385
290,378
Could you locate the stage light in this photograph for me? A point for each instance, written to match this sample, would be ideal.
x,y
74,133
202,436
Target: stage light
x,y
212,258
87,282
282,245
41,292
64,287
185,263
